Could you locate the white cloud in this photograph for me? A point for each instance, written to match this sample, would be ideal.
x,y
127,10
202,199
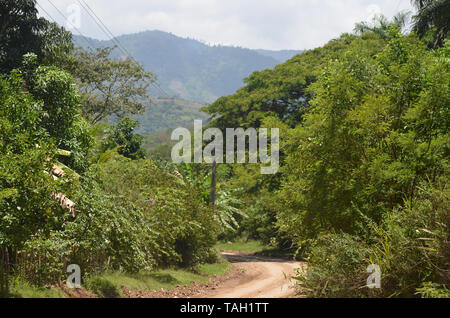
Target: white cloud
x,y
269,24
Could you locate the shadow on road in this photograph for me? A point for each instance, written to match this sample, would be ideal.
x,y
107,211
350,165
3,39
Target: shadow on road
x,y
237,257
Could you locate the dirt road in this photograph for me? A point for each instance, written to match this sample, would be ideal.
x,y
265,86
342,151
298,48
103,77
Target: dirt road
x,y
250,277
261,277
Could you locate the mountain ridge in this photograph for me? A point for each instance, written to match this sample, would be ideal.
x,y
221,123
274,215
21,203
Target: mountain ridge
x,y
190,69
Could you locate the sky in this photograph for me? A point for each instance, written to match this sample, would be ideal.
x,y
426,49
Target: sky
x,y
254,24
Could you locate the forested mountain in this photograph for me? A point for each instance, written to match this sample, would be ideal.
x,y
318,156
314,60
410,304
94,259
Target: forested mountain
x,y
190,69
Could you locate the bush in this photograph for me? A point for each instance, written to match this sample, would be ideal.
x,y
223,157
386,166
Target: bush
x,y
102,287
172,225
336,267
413,244
431,290
411,247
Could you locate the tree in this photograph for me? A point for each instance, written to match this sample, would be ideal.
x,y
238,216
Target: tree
x,y
282,91
21,32
377,128
60,116
19,29
110,86
26,152
122,136
380,24
432,14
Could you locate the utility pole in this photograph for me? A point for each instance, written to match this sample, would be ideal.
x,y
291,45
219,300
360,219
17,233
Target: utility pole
x,y
213,181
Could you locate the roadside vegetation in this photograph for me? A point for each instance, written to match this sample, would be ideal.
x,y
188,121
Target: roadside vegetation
x,y
110,284
364,166
364,126
240,245
77,190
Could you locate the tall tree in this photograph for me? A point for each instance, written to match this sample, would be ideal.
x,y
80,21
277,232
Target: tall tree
x,y
19,29
22,31
432,14
60,115
110,86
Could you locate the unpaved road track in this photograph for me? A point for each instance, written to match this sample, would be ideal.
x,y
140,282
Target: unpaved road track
x,y
262,277
250,277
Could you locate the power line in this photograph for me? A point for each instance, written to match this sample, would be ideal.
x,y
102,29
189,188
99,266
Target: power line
x,y
109,34
106,31
45,11
102,27
63,15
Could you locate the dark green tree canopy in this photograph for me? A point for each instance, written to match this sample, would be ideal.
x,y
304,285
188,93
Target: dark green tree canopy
x,y
282,91
22,31
433,14
122,137
19,32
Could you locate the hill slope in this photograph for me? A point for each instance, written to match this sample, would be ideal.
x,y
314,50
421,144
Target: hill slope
x,y
190,69
165,113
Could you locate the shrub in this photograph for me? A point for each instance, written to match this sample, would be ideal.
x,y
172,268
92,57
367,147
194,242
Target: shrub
x,y
102,287
336,267
413,244
431,290
411,247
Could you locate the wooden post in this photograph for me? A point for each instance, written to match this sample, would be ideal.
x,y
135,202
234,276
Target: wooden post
x,y
213,182
7,270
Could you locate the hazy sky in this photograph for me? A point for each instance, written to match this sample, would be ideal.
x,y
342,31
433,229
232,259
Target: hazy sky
x,y
266,24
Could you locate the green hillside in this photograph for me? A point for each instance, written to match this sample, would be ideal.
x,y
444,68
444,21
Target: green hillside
x,y
190,69
165,113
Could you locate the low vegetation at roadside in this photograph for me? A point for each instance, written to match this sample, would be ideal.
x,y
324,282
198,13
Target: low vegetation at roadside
x,y
364,127
109,284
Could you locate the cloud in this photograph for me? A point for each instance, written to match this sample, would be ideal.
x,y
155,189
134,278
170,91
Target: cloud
x,y
268,24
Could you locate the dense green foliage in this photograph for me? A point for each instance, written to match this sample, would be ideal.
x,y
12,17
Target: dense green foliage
x,y
141,217
281,92
377,127
110,86
433,14
25,147
132,215
364,126
61,116
122,136
21,32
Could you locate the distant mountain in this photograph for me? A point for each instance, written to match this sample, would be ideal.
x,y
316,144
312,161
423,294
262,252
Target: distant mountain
x,y
189,69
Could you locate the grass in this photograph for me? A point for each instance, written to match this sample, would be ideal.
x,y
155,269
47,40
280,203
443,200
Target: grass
x,y
240,245
20,288
109,284
252,246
